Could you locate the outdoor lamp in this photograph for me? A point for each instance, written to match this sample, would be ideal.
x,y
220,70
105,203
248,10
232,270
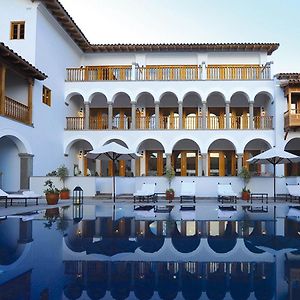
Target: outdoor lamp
x,y
77,196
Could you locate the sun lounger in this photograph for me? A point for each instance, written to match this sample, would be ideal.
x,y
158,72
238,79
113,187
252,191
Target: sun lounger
x,y
294,212
226,212
188,191
225,192
188,212
25,195
145,211
293,191
147,192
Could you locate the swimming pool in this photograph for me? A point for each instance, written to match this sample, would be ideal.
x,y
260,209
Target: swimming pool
x,y
151,252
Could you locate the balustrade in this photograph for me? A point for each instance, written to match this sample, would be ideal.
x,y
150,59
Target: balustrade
x,y
172,122
292,118
16,110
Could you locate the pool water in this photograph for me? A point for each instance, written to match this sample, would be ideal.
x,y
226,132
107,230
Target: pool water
x,y
151,252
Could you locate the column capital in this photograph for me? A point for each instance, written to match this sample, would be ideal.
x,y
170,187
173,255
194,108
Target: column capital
x,y
25,155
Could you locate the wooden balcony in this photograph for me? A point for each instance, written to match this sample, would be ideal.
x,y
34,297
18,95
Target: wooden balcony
x,y
172,123
16,110
168,73
238,72
291,119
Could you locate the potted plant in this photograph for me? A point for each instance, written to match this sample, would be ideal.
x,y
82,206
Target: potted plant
x,y
62,173
245,175
170,174
51,192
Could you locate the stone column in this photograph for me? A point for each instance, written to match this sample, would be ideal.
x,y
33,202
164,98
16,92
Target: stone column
x,y
205,163
26,170
239,162
168,160
110,115
133,166
203,71
133,110
133,71
227,112
180,112
251,115
86,116
157,115
204,115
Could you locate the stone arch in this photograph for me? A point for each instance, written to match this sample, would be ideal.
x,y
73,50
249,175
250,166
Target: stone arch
x,y
153,159
14,152
293,146
222,158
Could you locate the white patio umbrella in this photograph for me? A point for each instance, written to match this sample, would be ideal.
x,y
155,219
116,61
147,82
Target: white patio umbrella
x,y
274,156
113,152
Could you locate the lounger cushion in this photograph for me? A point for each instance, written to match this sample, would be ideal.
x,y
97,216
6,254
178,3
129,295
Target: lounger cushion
x,y
293,190
225,190
188,189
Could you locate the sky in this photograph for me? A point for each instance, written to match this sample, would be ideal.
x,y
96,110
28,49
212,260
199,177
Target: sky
x,y
194,21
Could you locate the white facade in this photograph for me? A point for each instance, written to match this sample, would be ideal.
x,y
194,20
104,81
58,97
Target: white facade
x,y
205,96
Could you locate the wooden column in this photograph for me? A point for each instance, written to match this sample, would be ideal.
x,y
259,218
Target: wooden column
x,y
2,89
29,101
221,163
110,168
160,163
183,163
122,168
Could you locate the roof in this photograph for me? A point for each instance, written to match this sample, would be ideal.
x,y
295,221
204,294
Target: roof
x,y
69,25
215,47
19,63
289,79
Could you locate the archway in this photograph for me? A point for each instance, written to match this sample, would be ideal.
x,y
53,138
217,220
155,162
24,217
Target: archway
x,y
293,146
98,111
263,111
222,158
216,111
192,106
77,162
75,111
15,164
122,167
185,158
145,111
168,111
121,111
255,147
153,160
239,111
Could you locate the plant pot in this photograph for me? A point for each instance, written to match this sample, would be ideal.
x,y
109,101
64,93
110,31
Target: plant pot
x,y
169,196
64,195
52,198
246,196
52,212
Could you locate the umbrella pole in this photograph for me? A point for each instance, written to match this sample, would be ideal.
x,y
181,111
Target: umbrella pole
x,y
274,183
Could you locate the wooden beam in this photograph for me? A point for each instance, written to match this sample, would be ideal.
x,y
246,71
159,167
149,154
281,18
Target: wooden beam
x,y
2,88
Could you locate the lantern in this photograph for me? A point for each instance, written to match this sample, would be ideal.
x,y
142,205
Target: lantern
x,y
77,196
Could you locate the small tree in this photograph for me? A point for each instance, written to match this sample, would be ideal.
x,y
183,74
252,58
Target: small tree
x,y
246,176
62,173
170,174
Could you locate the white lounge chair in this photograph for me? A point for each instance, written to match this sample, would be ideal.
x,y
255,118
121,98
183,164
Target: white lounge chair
x,y
188,213
25,195
226,212
293,191
225,192
188,191
147,192
147,211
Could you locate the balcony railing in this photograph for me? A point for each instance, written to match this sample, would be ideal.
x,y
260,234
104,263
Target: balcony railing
x,y
169,73
172,122
238,72
292,118
165,73
16,110
99,73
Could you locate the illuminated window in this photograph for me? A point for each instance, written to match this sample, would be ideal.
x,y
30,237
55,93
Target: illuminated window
x,y
46,96
17,30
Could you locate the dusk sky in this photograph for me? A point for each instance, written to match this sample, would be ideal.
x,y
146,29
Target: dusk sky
x,y
194,21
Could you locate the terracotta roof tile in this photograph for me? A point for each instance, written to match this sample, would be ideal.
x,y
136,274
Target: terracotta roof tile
x,y
19,63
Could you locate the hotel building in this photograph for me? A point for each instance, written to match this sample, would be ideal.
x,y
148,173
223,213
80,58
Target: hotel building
x,y
202,108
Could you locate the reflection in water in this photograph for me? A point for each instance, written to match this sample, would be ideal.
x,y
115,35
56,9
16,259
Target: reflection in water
x,y
99,258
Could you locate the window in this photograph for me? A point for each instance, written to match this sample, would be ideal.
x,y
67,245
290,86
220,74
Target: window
x,y
46,96
17,30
